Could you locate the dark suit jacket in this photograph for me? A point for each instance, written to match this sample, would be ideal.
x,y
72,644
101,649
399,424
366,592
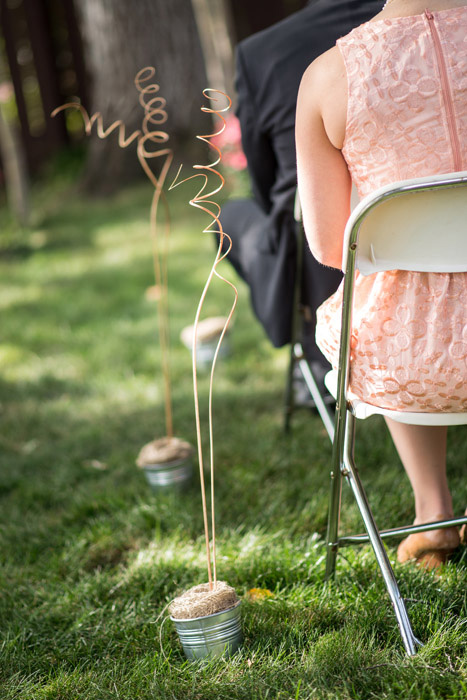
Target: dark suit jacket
x,y
270,65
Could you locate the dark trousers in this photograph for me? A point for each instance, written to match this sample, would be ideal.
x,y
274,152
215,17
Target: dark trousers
x,y
267,262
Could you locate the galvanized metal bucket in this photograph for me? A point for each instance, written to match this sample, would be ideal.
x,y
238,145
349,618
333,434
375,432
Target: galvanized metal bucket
x,y
177,473
205,351
212,635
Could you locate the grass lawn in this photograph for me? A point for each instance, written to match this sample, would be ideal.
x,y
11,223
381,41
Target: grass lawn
x,y
90,556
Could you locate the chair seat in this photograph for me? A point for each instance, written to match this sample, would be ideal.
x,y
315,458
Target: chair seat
x,y
363,410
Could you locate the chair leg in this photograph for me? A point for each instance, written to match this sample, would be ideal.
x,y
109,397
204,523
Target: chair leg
x,y
297,320
289,401
350,471
333,523
332,535
307,374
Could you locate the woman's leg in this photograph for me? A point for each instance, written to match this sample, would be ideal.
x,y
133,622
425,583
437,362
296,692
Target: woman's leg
x,y
422,450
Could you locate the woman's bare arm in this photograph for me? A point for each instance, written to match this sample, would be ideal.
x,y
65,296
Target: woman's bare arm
x,y
323,178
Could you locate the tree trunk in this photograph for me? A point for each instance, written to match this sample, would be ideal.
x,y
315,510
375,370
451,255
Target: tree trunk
x,y
215,28
13,157
14,164
120,38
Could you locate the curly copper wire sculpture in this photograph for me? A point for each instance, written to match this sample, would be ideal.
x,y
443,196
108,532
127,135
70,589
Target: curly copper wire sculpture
x,y
154,116
202,200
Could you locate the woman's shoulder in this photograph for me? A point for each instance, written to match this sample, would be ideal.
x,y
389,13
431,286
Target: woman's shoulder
x,y
323,92
325,69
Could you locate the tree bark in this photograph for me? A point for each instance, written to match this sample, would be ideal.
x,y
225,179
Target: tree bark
x,y
215,28
13,158
14,164
120,38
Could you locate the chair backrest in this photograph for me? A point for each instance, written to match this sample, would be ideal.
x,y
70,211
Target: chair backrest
x,y
418,225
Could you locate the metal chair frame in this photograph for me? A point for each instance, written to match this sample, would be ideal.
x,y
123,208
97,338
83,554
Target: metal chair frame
x,y
343,435
297,355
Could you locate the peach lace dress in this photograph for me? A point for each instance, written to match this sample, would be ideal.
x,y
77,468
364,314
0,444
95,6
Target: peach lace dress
x,y
406,117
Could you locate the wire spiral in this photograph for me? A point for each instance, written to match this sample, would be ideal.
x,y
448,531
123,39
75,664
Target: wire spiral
x,y
203,200
154,116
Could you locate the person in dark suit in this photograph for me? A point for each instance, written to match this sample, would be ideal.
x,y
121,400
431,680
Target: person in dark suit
x,y
269,67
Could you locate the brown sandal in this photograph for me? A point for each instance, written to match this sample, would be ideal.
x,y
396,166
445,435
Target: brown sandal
x,y
429,549
463,533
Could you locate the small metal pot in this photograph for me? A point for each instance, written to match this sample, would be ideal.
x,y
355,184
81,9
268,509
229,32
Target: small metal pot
x,y
206,350
212,635
177,473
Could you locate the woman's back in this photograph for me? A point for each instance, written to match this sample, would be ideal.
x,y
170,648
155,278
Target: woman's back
x,y
407,97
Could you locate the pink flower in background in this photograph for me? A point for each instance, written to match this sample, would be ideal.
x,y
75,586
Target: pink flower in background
x,y
232,132
230,144
6,91
234,159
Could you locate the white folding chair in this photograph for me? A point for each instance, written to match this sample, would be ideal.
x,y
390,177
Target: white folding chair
x,y
418,225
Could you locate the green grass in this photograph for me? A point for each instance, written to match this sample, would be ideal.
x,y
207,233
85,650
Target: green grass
x,y
90,557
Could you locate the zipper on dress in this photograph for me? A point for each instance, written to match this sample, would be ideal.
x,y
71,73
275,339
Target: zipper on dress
x,y
443,72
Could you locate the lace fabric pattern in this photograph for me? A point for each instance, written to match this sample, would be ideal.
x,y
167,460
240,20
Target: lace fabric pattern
x,y
406,118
